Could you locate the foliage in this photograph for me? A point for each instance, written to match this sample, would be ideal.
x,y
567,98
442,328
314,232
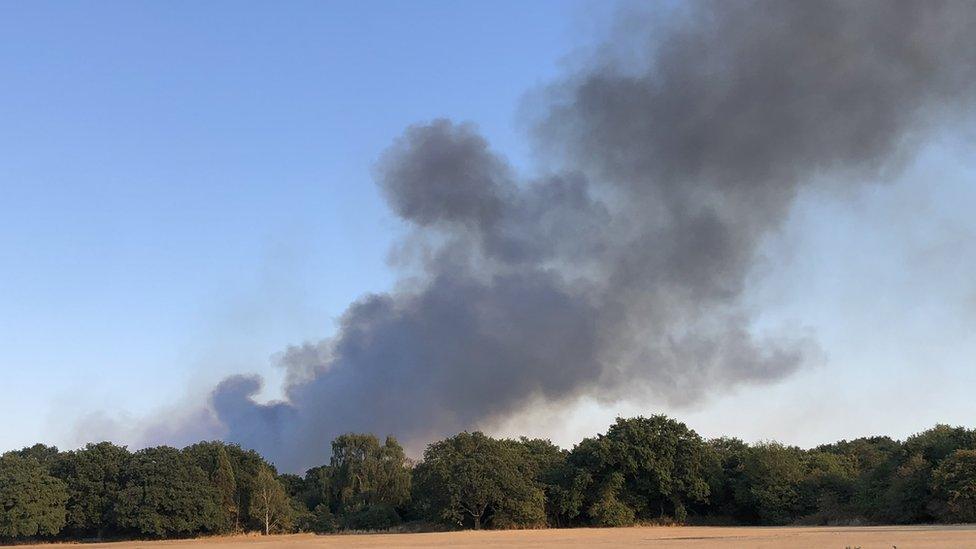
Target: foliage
x,y
770,481
94,478
214,460
474,480
166,495
366,474
43,454
320,520
641,469
31,500
954,482
269,505
645,468
907,498
246,465
607,508
316,488
372,517
828,487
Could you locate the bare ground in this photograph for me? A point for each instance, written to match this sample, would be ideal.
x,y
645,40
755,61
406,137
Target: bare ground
x,y
881,537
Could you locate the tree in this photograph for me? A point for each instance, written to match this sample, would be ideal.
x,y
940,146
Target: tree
x,y
472,479
94,477
563,484
876,459
321,520
31,500
954,483
770,481
940,442
214,460
723,468
246,465
42,453
607,508
269,504
363,471
661,462
317,487
166,495
827,488
907,498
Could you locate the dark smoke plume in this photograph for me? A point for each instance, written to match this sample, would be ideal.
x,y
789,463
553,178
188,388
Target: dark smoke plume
x,y
622,275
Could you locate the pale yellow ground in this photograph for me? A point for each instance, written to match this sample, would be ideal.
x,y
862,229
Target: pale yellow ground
x,y
886,537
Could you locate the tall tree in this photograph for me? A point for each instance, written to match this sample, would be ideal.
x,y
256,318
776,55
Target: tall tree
x,y
214,460
94,477
662,464
954,484
246,465
166,495
366,472
269,504
472,479
769,484
31,500
317,487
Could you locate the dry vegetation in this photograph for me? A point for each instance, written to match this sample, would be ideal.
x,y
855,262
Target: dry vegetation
x,y
914,537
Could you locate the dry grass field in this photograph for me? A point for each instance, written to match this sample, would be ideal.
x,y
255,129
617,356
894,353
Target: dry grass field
x,y
880,537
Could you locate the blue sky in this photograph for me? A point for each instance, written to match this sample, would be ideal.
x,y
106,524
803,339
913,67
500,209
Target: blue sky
x,y
185,189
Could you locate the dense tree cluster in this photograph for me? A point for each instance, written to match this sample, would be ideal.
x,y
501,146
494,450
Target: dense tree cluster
x,y
641,470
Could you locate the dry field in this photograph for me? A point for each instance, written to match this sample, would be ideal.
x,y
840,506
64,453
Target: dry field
x,y
881,537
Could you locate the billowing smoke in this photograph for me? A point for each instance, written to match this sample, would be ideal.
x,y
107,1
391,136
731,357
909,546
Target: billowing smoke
x,y
622,274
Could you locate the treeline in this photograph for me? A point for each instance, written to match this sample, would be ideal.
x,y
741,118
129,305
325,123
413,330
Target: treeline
x,y
642,470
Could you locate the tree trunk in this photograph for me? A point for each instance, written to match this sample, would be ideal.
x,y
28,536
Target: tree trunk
x,y
267,522
477,522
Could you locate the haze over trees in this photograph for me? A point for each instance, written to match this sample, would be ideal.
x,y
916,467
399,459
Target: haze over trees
x,y
642,470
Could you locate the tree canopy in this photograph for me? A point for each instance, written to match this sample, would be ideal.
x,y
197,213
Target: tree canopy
x,y
31,500
642,469
474,480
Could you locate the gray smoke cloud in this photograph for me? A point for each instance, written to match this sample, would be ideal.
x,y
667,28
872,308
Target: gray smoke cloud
x,y
622,274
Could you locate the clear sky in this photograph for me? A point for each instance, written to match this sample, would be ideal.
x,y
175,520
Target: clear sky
x,y
185,190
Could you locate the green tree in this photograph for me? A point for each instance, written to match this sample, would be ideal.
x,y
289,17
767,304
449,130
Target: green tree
x,y
769,484
364,470
474,480
94,477
595,488
827,488
940,442
166,495
246,465
317,487
269,504
908,497
876,459
31,500
662,464
723,469
563,484
607,508
214,460
42,453
322,521
954,483
565,488
369,480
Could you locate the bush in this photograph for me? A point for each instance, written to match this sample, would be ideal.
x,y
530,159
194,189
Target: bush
x,y
373,517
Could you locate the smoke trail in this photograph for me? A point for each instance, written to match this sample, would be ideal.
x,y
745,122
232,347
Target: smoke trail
x,y
622,275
